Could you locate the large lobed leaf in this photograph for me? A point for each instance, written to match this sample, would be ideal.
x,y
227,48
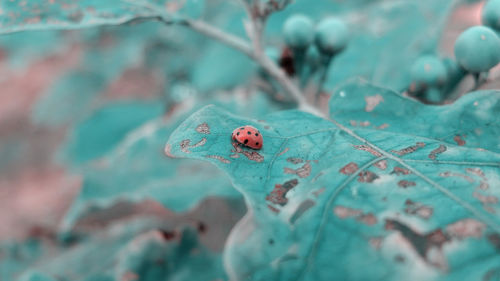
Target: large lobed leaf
x,y
132,168
370,202
68,14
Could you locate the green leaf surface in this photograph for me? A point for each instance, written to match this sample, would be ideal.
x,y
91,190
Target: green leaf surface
x,y
327,202
67,14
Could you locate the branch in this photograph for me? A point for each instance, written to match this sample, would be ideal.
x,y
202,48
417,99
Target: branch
x,y
280,76
255,34
256,53
217,34
197,25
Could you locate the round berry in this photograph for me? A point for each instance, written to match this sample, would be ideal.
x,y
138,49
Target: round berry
x,y
428,71
331,36
490,15
478,49
298,31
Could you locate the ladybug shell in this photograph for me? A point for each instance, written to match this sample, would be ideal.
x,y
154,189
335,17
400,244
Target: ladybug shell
x,y
248,136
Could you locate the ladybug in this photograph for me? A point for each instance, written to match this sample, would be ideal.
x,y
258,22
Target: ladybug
x,y
248,136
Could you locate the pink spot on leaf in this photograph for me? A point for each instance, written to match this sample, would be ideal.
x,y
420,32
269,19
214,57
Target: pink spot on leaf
x,y
278,195
349,169
220,158
368,149
409,149
372,102
437,151
400,171
466,228
406,184
382,164
414,208
367,176
203,129
459,140
302,172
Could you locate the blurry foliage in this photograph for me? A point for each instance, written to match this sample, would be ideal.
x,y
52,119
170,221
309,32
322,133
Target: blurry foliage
x,y
321,204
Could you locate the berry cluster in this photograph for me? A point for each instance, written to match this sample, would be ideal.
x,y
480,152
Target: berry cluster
x,y
330,36
310,48
477,50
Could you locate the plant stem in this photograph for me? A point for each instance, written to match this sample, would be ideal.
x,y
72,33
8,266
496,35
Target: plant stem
x,y
280,76
324,72
219,35
256,29
253,50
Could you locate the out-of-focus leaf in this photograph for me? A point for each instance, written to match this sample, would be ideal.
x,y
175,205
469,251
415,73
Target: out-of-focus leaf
x,y
72,101
133,250
18,256
107,127
137,170
326,201
388,36
67,14
36,276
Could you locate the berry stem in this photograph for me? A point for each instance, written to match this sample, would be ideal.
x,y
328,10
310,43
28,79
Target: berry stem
x,y
479,80
257,23
277,73
323,73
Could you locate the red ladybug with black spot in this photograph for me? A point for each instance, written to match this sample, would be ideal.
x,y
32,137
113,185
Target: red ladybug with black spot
x,y
248,136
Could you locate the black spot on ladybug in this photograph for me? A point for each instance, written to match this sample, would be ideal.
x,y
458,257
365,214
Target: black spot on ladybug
x,y
246,141
238,133
256,143
249,132
242,128
256,134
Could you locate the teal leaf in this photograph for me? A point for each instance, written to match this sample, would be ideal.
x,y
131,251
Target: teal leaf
x,y
145,249
389,36
134,169
18,256
137,171
386,37
36,276
107,127
66,14
73,102
325,200
471,121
